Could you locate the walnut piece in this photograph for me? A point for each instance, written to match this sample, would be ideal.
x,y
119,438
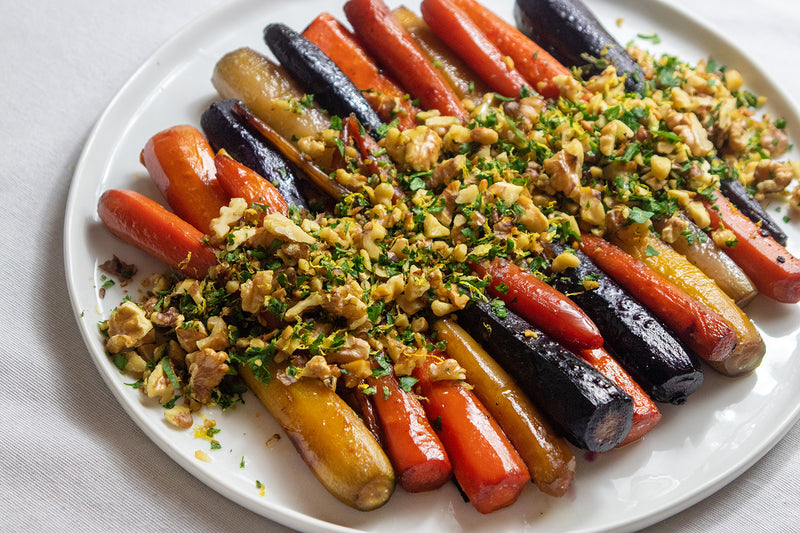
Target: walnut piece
x,y
206,369
127,327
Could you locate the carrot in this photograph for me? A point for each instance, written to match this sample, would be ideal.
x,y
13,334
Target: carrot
x,y
181,164
488,469
696,324
547,455
383,94
773,270
532,61
464,81
397,52
464,36
145,224
238,181
645,412
638,241
540,304
418,457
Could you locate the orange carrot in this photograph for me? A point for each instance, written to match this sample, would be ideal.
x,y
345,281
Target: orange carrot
x,y
238,181
418,457
383,94
145,224
645,413
696,324
535,64
774,271
488,469
464,36
541,304
181,164
399,54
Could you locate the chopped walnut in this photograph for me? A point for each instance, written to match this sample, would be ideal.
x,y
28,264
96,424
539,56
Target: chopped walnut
x,y
772,176
218,338
285,229
171,318
206,369
446,171
447,370
256,290
356,371
189,333
688,128
416,149
318,368
158,385
352,350
565,168
119,269
774,140
127,327
179,416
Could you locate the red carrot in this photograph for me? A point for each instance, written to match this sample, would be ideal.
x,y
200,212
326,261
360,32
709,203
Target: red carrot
x,y
540,304
383,94
464,36
140,221
238,181
774,271
399,54
418,457
703,330
488,469
645,413
532,61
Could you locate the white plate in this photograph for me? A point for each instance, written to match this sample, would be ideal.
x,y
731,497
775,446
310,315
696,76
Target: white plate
x,y
695,450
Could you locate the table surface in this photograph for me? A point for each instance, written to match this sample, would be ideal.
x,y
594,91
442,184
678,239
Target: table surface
x,y
71,458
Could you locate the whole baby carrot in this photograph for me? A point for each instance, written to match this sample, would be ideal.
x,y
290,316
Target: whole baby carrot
x,y
773,270
181,164
531,60
396,51
238,181
540,304
144,223
464,36
383,94
488,469
703,330
418,457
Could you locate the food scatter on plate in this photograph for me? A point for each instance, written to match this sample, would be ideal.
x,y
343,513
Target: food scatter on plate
x,y
460,255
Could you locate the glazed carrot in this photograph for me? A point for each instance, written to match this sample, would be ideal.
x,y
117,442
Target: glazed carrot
x,y
488,469
418,457
645,412
238,181
464,81
181,164
145,224
397,52
329,436
773,270
547,455
696,324
383,94
532,61
637,240
464,36
541,304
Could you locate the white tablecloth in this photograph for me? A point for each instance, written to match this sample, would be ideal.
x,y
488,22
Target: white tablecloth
x,y
70,458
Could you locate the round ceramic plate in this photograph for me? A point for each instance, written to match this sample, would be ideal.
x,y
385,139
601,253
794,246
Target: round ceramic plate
x,y
696,449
